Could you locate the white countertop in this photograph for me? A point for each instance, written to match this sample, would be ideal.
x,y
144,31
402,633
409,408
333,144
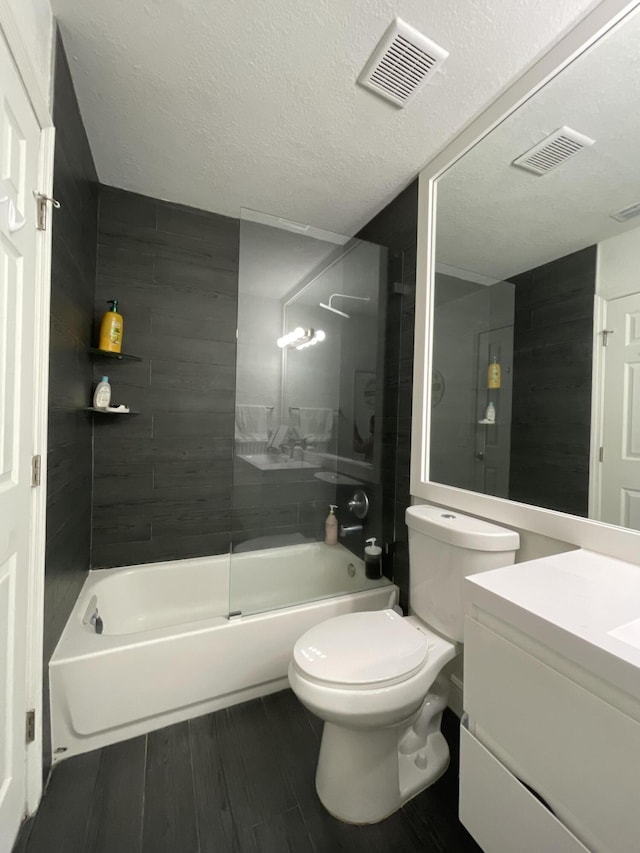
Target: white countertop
x,y
572,602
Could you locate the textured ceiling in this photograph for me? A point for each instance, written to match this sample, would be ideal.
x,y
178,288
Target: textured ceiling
x,y
254,104
497,220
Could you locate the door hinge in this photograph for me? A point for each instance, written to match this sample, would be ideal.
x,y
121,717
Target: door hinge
x,y
30,726
42,201
605,336
36,470
601,455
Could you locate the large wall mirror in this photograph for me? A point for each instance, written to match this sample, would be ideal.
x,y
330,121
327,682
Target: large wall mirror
x,y
534,299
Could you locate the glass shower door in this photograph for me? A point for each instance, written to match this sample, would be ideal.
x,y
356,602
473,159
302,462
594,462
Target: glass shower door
x,y
310,335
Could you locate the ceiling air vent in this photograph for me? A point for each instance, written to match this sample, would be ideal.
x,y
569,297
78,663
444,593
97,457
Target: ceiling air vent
x,y
628,213
401,64
553,151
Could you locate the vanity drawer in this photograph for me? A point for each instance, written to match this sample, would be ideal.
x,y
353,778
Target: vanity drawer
x,y
576,751
500,813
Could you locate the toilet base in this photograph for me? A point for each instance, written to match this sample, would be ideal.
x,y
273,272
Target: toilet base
x,y
363,776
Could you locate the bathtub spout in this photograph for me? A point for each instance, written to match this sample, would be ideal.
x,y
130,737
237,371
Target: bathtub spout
x,y
350,529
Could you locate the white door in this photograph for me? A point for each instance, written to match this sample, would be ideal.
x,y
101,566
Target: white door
x,y
19,148
620,466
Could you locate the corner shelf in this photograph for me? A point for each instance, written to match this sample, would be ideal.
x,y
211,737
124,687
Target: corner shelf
x,y
121,356
104,412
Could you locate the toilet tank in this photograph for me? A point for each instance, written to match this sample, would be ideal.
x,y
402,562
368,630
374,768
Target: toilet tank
x,y
446,546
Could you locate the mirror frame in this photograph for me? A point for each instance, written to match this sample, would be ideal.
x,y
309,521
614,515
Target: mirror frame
x,y
594,535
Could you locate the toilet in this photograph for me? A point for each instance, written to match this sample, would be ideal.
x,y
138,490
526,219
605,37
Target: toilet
x,y
376,680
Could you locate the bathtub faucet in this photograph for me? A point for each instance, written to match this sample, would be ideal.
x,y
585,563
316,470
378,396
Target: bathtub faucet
x,y
350,529
96,621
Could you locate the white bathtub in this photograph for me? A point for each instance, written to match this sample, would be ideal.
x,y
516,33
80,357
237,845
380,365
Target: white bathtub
x,y
169,652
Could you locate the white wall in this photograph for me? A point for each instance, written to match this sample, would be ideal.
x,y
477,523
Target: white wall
x,y
34,20
617,265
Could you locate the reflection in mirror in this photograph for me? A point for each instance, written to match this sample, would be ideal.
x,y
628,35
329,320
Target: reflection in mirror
x,y
329,392
535,268
471,423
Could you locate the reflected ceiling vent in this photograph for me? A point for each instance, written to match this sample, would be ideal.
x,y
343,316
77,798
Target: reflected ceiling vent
x,y
628,213
553,151
401,64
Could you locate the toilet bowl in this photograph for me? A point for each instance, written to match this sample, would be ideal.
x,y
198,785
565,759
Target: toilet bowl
x,y
376,678
373,679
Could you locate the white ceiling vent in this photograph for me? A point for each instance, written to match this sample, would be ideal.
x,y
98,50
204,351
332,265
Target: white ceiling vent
x,y
401,64
553,150
628,213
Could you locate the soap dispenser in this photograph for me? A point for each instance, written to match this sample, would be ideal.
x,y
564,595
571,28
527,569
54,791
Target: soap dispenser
x,y
331,527
373,560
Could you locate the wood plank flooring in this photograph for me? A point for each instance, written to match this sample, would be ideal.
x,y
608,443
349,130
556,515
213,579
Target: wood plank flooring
x,y
237,781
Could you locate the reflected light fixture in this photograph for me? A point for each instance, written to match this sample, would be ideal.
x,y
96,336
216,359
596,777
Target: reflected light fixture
x,y
300,338
313,340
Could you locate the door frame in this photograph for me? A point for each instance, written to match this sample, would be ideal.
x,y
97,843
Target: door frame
x,y
40,104
597,407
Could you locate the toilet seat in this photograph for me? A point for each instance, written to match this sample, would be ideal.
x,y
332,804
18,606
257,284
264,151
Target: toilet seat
x,y
361,651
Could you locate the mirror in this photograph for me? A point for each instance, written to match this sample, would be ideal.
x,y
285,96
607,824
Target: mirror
x,y
535,272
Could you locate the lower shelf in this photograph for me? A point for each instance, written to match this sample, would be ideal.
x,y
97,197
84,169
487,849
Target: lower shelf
x,y
104,412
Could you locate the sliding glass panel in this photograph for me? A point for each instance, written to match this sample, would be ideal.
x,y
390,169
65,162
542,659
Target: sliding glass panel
x,y
310,345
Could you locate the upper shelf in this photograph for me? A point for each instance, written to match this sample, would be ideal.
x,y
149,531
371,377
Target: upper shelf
x,y
121,356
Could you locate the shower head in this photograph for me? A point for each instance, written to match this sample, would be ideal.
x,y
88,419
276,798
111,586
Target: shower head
x,y
335,310
330,307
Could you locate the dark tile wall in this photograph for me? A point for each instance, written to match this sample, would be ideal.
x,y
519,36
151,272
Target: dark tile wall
x,y
551,417
395,227
163,478
73,273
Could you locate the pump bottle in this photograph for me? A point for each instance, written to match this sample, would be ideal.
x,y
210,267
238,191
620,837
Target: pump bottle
x,y
373,560
331,527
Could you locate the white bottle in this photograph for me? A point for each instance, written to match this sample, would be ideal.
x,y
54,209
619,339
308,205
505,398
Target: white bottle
x,y
490,414
102,394
331,527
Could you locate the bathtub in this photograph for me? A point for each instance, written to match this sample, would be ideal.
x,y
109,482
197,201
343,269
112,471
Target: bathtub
x,y
170,651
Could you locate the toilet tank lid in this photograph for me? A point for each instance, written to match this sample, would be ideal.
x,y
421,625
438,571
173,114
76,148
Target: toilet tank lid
x,y
460,530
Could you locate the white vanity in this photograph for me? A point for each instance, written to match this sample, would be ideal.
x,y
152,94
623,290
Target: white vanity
x,y
552,702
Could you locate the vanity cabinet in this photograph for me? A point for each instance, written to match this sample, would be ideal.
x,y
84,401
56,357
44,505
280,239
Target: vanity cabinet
x,y
550,751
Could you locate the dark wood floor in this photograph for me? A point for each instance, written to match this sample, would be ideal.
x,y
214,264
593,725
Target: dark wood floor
x,y
238,781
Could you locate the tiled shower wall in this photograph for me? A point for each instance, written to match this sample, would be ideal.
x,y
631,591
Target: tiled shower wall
x,y
551,417
395,227
163,478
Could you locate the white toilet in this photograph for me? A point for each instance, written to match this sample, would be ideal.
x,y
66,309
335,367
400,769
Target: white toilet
x,y
374,678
